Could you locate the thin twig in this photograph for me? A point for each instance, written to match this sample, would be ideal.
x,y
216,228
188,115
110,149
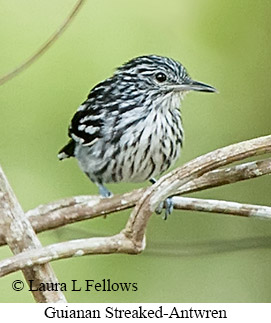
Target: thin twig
x,y
44,47
224,207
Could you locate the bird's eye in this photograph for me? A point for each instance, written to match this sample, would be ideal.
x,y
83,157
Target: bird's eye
x,y
161,77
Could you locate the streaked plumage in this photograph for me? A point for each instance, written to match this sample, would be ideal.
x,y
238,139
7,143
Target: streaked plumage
x,y
130,128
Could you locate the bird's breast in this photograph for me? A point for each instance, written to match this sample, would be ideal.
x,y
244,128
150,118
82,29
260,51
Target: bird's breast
x,y
150,145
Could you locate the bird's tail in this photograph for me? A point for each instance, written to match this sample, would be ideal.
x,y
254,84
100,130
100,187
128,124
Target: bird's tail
x,y
67,151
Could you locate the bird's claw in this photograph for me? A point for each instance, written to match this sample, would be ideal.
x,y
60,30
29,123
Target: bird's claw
x,y
168,205
104,192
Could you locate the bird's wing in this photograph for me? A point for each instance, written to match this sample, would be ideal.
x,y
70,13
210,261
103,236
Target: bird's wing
x,y
86,125
85,128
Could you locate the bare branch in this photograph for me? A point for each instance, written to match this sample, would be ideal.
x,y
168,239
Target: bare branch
x,y
131,239
120,243
228,175
106,245
170,183
225,207
20,237
79,208
44,47
70,210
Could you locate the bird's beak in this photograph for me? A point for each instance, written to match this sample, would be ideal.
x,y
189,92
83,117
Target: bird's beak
x,y
195,86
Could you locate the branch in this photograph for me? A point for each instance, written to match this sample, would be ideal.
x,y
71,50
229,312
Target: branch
x,y
120,243
44,47
20,237
106,245
170,183
131,239
224,207
228,175
74,209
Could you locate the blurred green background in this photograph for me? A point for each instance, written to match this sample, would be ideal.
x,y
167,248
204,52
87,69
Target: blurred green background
x,y
191,257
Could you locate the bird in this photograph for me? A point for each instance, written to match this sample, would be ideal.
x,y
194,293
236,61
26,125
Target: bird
x,y
129,129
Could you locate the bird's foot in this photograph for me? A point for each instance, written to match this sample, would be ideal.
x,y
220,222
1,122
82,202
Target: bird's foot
x,y
104,192
167,204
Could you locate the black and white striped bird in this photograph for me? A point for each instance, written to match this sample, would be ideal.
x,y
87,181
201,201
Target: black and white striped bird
x,y
130,128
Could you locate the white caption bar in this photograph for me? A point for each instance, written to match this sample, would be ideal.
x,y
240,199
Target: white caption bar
x,y
149,311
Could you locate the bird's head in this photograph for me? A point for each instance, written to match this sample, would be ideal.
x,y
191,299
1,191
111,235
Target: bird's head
x,y
162,74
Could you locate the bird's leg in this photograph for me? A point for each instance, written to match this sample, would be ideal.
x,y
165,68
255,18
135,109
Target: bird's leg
x,y
167,204
103,191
